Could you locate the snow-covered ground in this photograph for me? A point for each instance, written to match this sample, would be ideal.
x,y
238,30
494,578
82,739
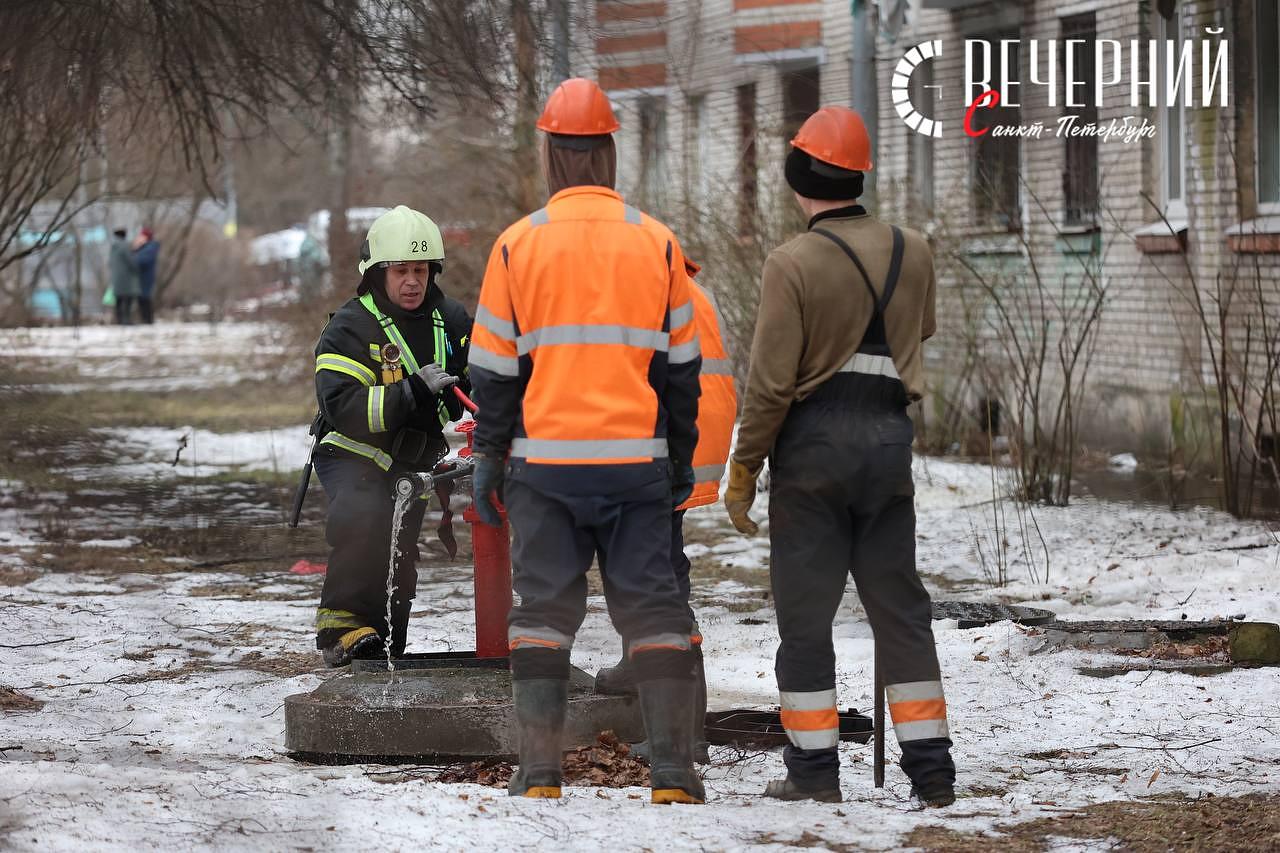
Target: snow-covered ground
x,y
161,357
162,724
124,754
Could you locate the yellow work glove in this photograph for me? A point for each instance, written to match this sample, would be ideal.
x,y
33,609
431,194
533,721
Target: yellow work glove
x,y
739,497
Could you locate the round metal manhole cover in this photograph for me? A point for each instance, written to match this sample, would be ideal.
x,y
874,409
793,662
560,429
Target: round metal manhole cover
x,y
746,727
971,614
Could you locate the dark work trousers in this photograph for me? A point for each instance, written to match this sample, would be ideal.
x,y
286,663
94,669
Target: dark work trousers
x,y
556,536
359,535
144,310
680,565
841,502
124,310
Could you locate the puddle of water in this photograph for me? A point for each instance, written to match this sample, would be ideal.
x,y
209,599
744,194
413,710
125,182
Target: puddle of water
x,y
1146,487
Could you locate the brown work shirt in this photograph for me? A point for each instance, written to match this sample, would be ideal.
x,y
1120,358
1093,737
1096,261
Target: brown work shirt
x,y
814,310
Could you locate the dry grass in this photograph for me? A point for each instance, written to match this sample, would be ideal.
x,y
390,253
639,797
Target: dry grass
x,y
12,700
1248,824
228,408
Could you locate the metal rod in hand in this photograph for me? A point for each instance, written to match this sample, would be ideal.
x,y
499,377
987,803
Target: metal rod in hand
x,y
466,401
878,734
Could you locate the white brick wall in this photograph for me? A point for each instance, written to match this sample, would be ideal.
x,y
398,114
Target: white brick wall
x,y
1150,344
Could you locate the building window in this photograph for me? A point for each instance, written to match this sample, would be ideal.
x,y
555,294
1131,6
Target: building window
x,y
697,147
801,97
748,181
1173,166
920,178
1268,25
997,159
1080,176
653,152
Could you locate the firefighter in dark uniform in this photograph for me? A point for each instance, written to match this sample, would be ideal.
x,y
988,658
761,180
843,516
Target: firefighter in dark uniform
x,y
837,357
385,365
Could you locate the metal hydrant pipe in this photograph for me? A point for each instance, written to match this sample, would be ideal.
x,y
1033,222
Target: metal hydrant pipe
x,y
491,547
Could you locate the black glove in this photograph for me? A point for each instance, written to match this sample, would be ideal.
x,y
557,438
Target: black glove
x,y
486,481
682,480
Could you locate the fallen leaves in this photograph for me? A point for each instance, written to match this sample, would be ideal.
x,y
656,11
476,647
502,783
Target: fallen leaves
x,y
607,763
1214,649
12,700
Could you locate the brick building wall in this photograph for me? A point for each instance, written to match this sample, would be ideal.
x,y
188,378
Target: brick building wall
x,y
692,78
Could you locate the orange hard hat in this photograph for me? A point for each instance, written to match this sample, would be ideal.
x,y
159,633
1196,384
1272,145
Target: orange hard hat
x,y
578,107
836,135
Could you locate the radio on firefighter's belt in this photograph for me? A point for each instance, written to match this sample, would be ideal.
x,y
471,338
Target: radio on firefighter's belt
x,y
392,369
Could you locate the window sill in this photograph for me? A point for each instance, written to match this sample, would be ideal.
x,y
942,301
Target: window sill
x,y
993,244
1079,240
1161,238
1260,235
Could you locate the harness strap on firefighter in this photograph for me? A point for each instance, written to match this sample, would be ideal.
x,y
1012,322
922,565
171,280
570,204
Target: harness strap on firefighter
x,y
359,448
439,335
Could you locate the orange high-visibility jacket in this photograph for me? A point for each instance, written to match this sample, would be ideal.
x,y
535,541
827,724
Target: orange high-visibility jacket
x,y
718,405
584,349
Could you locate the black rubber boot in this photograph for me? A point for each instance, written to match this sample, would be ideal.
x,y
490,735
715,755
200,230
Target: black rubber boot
x,y
666,704
356,644
617,680
701,754
927,763
540,709
786,789
934,794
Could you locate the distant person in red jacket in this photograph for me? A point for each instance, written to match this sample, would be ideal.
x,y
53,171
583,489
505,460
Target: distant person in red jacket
x,y
146,251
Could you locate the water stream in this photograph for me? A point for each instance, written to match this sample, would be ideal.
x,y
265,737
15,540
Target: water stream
x,y
397,521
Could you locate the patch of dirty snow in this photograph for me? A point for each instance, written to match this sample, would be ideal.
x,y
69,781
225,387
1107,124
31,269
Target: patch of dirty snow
x,y
124,542
149,453
120,746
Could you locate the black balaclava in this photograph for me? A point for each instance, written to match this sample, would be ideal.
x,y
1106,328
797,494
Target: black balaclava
x,y
813,178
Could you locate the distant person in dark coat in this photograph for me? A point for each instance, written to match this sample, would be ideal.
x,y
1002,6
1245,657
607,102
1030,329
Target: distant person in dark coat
x,y
146,249
124,278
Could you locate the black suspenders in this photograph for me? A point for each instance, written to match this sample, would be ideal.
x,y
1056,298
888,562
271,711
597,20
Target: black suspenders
x,y
875,333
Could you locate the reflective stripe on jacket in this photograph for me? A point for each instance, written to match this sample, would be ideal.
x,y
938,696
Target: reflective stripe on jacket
x,y
718,405
585,349
365,409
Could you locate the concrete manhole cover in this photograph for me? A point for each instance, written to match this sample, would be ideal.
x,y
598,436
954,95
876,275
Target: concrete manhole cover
x,y
974,615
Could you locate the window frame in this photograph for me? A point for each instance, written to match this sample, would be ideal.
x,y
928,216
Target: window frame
x,y
1271,206
1175,208
987,220
1073,27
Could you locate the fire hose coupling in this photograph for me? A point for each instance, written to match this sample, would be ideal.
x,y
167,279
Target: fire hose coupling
x,y
414,484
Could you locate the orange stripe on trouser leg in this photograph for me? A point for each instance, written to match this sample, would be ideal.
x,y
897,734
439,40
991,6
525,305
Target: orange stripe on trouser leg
x,y
811,721
918,710
533,641
654,647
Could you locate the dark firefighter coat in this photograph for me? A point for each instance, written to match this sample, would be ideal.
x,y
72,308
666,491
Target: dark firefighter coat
x,y
372,405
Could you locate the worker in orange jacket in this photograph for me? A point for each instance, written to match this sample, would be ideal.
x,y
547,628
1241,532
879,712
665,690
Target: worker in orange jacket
x,y
585,361
717,410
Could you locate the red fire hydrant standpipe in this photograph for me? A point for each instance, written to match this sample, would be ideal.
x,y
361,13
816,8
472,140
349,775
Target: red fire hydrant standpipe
x,y
492,549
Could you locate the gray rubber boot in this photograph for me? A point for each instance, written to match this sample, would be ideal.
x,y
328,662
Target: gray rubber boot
x,y
666,704
540,705
701,754
617,680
